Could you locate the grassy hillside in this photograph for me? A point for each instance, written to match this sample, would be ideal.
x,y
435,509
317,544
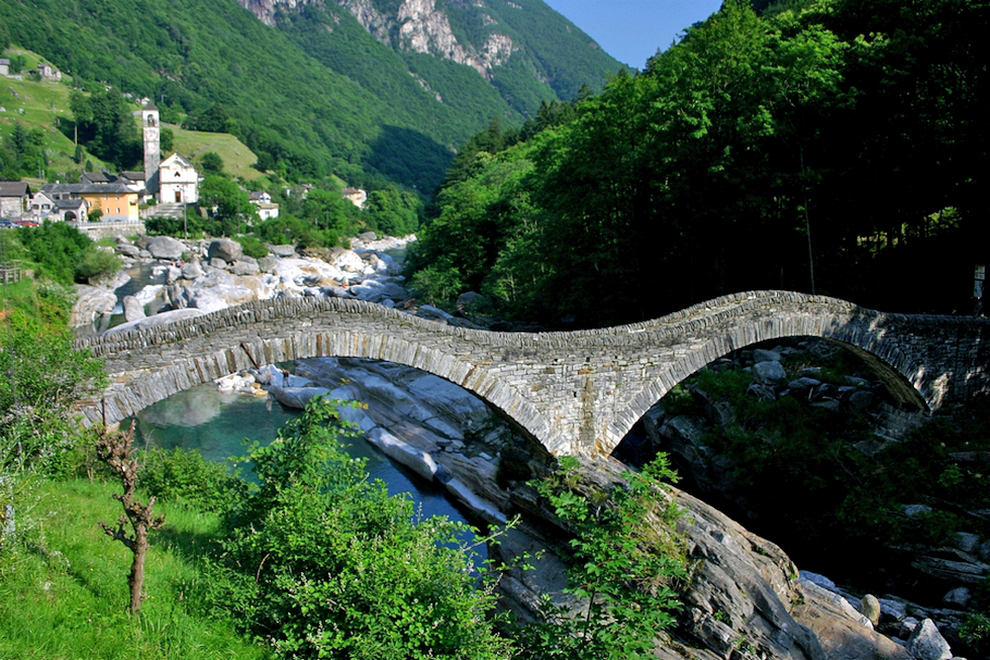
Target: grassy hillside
x,y
237,158
46,104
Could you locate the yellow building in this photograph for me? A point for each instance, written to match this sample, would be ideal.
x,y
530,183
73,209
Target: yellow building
x,y
116,201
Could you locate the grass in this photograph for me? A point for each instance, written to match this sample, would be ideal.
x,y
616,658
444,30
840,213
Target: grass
x,y
65,594
43,103
237,158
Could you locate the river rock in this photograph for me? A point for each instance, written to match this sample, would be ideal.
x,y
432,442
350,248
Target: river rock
x,y
415,459
225,248
763,355
869,607
769,372
155,321
192,270
297,397
958,597
92,303
166,247
282,250
133,309
926,643
128,250
246,266
206,300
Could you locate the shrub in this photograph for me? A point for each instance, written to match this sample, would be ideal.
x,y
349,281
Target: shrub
x,y
322,562
252,246
94,263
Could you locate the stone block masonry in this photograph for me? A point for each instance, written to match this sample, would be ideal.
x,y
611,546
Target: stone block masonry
x,y
574,392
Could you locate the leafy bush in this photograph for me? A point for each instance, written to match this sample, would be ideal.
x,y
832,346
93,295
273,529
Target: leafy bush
x,y
252,246
95,262
179,474
322,562
620,568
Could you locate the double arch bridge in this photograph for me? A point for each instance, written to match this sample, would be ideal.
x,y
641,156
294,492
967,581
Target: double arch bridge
x,y
574,392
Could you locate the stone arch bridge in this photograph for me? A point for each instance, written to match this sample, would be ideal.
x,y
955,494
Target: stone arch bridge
x,y
574,392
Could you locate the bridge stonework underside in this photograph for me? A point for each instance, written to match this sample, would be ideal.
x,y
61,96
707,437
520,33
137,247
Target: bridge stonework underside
x,y
574,392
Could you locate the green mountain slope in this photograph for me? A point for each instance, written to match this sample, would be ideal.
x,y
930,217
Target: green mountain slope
x,y
317,93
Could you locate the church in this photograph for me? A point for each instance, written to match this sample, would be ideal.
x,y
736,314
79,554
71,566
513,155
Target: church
x,y
172,181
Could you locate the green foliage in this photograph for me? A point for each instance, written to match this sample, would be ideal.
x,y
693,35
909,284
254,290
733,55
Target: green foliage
x,y
56,248
43,377
252,246
22,153
95,263
61,587
745,138
185,476
393,211
322,562
227,205
622,561
106,127
212,163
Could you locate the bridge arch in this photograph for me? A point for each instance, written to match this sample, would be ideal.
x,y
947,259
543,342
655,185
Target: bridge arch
x,y
574,392
149,365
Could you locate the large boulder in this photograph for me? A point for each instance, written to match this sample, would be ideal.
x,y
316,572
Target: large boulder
x,y
226,249
92,303
166,247
133,308
926,643
157,320
769,372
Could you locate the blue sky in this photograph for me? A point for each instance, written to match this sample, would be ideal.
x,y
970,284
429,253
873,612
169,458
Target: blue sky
x,y
632,31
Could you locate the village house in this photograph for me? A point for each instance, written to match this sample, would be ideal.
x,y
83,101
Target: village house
x,y
13,198
48,72
44,206
266,208
357,196
116,201
4,66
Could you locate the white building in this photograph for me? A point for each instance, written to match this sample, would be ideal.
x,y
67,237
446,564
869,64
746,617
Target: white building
x,y
178,181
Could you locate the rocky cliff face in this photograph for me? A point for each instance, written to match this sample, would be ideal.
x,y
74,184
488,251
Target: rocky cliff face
x,y
418,26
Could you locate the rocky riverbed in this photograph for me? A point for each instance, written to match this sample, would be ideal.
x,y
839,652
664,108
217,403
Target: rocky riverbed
x,y
746,598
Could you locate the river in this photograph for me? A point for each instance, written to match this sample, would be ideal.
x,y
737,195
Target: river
x,y
221,425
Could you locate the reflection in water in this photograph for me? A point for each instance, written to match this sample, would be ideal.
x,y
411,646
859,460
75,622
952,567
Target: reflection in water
x,y
221,425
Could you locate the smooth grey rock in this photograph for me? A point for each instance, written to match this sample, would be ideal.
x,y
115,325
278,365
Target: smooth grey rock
x,y
762,392
245,267
926,643
129,250
157,320
192,270
282,250
803,384
914,510
207,300
967,542
133,308
958,597
92,303
433,313
763,355
769,372
892,610
869,607
166,247
225,248
218,263
267,264
819,579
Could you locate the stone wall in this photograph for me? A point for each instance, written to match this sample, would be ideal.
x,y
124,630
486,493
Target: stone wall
x,y
101,230
576,392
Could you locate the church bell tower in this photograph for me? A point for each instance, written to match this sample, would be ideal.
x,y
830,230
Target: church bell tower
x,y
152,147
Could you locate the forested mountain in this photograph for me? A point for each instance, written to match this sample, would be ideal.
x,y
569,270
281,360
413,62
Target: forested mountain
x,y
365,89
831,147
